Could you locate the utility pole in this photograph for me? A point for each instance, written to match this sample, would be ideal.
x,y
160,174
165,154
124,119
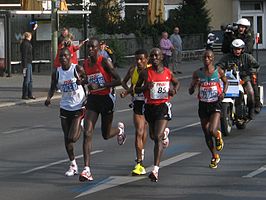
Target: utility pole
x,y
54,27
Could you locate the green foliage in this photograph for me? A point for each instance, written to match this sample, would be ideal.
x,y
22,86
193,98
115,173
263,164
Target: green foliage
x,y
75,21
192,17
119,51
105,17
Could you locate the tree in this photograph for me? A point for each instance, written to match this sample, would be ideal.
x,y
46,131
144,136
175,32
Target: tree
x,y
106,16
192,17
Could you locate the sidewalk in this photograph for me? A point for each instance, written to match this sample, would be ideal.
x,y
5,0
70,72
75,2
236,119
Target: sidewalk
x,y
11,87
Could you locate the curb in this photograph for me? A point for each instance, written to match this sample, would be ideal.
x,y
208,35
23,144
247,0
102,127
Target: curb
x,y
58,96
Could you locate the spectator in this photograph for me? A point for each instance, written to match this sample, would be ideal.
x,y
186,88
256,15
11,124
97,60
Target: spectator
x,y
166,47
177,51
102,50
67,42
26,62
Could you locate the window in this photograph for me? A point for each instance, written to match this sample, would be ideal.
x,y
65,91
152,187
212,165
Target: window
x,y
251,5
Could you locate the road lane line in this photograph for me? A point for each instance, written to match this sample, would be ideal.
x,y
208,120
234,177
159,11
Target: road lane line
x,y
55,163
22,129
114,181
124,110
184,127
256,172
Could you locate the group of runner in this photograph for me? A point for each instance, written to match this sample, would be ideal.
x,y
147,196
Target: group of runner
x,y
152,85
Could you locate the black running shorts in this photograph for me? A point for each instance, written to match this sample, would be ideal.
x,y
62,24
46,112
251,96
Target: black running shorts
x,y
207,109
101,104
153,112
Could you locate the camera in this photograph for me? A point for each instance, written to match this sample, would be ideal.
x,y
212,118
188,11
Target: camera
x,y
231,27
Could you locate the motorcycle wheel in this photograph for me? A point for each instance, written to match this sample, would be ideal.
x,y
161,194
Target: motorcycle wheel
x,y
226,119
241,125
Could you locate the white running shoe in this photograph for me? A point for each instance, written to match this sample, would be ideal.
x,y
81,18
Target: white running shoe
x,y
121,137
166,138
154,176
85,176
73,170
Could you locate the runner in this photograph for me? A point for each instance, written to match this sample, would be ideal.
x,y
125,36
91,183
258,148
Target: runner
x,y
68,78
101,77
141,61
210,95
158,84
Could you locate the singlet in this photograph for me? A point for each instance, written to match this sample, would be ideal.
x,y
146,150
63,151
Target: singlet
x,y
134,80
159,93
73,95
209,87
97,74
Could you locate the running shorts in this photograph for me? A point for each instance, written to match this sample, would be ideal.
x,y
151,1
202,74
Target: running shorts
x,y
154,112
101,104
207,109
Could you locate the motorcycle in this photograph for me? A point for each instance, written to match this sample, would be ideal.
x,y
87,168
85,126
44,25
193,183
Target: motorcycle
x,y
234,104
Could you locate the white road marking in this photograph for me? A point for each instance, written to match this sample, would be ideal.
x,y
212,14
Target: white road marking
x,y
114,181
124,110
186,126
56,163
256,172
22,129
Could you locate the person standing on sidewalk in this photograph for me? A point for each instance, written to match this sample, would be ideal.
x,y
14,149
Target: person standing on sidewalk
x,y
158,84
68,78
207,80
101,77
166,46
26,62
177,51
141,61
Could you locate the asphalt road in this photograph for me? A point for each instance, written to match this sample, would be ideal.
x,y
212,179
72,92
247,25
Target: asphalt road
x,y
33,159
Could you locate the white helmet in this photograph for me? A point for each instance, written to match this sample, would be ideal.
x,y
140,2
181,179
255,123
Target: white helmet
x,y
243,22
238,43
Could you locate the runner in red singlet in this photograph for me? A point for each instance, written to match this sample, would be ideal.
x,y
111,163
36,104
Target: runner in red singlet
x,y
158,84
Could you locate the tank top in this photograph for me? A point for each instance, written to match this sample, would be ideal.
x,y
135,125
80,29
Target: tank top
x,y
209,87
73,95
159,93
97,74
134,80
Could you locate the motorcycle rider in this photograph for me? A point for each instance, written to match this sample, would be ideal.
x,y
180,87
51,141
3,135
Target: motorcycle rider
x,y
247,65
242,32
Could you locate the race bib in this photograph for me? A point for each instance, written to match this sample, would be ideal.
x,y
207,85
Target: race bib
x,y
208,93
160,90
96,78
69,86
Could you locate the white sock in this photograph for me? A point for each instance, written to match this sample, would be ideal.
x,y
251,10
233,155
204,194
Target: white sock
x,y
87,169
73,162
156,168
142,154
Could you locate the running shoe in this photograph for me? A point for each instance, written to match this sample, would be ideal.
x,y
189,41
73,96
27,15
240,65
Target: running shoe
x,y
73,170
214,161
85,176
166,138
138,170
219,141
154,176
121,137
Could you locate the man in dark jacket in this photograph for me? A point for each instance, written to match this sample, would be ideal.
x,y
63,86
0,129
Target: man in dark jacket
x,y
241,31
26,62
247,65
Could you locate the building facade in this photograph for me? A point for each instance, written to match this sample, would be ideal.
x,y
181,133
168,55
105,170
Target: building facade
x,y
229,11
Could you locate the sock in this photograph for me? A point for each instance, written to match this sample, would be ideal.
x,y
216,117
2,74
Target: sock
x,y
142,154
156,168
73,162
87,169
